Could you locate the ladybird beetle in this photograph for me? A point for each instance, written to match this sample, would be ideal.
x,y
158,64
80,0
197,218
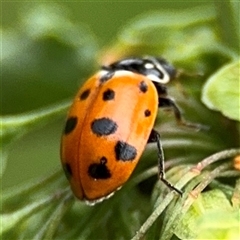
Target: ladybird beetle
x,y
110,122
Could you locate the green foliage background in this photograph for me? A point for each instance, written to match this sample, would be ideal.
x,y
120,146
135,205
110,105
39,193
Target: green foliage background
x,y
49,49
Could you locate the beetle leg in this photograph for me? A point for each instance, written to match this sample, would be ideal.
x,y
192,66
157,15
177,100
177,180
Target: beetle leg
x,y
169,103
161,89
155,137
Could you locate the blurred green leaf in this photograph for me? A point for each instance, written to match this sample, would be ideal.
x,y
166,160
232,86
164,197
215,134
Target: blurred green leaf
x,y
221,92
3,159
229,27
44,58
188,38
219,225
155,27
207,217
16,126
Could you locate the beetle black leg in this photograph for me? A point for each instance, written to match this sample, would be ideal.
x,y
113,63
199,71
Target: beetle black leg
x,y
155,137
169,103
161,89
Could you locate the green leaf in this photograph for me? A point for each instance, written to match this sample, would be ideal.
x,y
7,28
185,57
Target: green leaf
x,y
13,127
187,37
221,92
207,216
229,26
46,54
152,26
227,228
3,160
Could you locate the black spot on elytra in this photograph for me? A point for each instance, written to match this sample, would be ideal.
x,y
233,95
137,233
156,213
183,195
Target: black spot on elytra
x,y
106,76
67,170
99,170
103,126
109,94
70,125
124,151
147,113
85,94
143,87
